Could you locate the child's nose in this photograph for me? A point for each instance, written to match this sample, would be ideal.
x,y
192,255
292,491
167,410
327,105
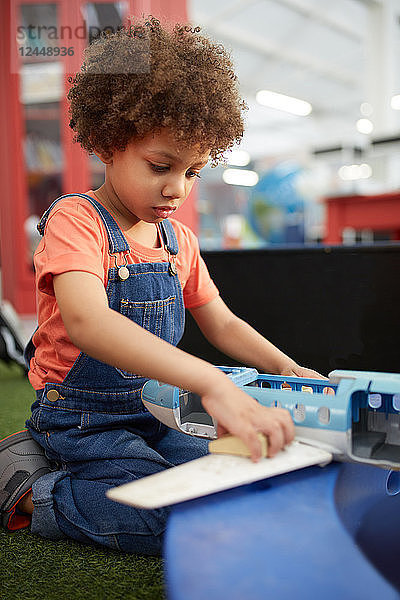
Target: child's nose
x,y
174,188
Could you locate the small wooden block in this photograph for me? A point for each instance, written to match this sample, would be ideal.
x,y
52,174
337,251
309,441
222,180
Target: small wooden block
x,y
231,444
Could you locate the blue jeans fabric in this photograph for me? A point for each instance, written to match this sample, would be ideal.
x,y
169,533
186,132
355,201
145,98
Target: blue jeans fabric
x,y
95,429
71,501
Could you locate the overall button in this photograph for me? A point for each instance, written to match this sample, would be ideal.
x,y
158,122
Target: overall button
x,y
123,273
52,395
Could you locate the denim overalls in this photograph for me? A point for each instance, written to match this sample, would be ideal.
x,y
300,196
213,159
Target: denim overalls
x,y
94,427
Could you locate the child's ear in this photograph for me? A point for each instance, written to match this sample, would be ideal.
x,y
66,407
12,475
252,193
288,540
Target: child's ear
x,y
105,157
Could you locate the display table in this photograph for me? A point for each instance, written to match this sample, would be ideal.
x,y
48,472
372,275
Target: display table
x,y
296,536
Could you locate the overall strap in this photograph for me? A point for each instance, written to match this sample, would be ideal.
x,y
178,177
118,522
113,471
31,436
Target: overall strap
x,y
116,238
169,238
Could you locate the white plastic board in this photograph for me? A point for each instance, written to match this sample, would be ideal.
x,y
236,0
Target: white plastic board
x,y
213,473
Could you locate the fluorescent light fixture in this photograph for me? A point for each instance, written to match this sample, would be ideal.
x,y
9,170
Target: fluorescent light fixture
x,y
353,172
395,102
366,109
365,126
288,104
239,158
240,177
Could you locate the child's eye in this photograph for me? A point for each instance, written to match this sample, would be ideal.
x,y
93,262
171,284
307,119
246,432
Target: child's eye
x,y
192,174
163,169
158,168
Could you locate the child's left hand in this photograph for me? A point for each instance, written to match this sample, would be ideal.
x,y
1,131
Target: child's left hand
x,y
295,370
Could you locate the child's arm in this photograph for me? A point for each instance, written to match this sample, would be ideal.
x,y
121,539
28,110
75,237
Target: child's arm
x,y
238,339
110,337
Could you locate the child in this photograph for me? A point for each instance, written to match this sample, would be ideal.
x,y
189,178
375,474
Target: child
x,y
113,277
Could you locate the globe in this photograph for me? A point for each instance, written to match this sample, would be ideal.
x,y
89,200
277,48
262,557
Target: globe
x,y
276,207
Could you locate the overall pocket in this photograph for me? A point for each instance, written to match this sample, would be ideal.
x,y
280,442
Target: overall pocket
x,y
156,316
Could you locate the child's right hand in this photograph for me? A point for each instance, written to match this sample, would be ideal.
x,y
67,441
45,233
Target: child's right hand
x,y
239,414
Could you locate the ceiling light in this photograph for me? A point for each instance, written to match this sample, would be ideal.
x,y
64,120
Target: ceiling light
x,y
395,102
288,104
364,126
366,109
353,172
365,171
240,177
239,158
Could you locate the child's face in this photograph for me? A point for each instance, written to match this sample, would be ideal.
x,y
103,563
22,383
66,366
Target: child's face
x,y
152,177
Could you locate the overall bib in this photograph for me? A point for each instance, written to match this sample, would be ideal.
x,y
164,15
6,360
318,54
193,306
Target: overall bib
x,y
93,426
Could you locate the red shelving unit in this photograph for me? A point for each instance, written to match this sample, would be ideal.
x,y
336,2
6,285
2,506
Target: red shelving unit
x,y
378,213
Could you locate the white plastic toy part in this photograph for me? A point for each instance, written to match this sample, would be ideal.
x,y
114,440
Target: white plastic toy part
x,y
213,473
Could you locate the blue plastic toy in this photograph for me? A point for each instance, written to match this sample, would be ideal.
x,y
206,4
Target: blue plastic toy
x,y
355,415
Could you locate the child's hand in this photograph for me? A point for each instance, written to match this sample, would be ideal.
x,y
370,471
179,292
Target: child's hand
x,y
295,370
239,414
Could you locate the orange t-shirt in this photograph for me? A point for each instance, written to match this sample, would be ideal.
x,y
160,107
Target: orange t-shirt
x,y
75,239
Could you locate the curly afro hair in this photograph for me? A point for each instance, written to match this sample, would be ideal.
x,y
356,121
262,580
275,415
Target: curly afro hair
x,y
146,77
